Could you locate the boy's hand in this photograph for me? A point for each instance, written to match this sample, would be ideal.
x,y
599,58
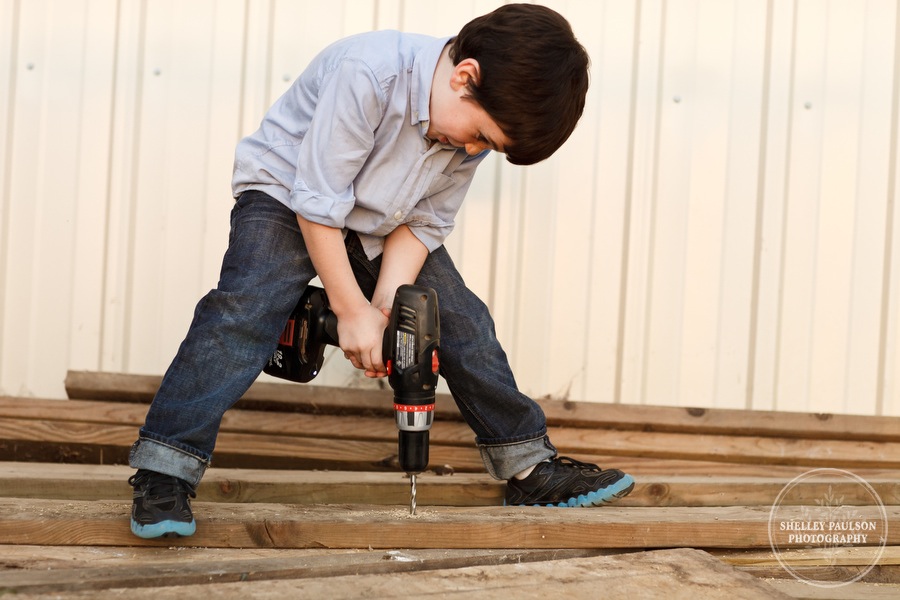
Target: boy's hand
x,y
361,333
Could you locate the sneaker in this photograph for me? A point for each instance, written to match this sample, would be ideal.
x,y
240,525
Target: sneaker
x,y
566,482
161,505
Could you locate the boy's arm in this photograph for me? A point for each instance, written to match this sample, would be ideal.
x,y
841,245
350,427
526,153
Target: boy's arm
x,y
360,324
404,255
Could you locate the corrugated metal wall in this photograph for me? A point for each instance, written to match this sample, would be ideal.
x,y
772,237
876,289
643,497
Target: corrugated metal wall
x,y
718,232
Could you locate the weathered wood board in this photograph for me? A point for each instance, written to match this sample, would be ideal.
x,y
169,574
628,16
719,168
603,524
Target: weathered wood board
x,y
329,400
86,482
666,574
30,569
251,438
228,525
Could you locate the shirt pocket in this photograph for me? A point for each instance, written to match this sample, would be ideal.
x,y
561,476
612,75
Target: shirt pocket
x,y
440,183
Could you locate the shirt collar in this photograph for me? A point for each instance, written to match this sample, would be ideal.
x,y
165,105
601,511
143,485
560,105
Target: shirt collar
x,y
422,77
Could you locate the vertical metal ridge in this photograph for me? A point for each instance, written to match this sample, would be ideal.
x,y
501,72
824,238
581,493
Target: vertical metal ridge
x,y
128,300
8,160
270,54
242,87
626,217
760,211
104,275
594,194
887,279
654,198
779,318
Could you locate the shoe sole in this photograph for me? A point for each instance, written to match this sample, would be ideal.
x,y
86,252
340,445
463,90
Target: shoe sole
x,y
169,529
607,495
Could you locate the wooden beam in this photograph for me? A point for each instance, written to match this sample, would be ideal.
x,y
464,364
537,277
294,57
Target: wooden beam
x,y
351,427
678,574
206,567
107,482
64,439
452,442
834,564
802,590
320,400
798,557
105,523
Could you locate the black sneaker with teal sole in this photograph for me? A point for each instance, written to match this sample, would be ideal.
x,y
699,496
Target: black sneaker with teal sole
x,y
162,506
565,482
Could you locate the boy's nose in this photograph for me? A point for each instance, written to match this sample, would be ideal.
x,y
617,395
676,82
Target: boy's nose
x,y
475,148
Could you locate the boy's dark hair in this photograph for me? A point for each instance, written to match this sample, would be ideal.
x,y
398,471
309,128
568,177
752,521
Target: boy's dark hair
x,y
533,79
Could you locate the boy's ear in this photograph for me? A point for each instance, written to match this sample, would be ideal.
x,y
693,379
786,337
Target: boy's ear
x,y
468,71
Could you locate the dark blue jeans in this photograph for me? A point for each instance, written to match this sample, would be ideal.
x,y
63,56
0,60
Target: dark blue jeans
x,y
237,325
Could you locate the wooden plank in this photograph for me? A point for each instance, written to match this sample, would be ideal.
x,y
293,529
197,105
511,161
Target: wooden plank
x,y
330,400
837,564
856,556
569,440
285,397
107,482
682,574
76,441
70,450
730,448
25,557
205,567
831,574
854,591
355,427
105,523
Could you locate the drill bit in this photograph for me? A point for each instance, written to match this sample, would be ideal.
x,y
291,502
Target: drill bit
x,y
412,493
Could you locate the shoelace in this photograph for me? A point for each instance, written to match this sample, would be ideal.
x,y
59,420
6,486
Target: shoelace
x,y
161,486
567,461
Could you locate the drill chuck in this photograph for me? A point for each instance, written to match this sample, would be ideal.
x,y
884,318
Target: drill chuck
x,y
413,455
413,422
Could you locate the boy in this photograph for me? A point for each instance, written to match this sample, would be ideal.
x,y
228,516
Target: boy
x,y
355,175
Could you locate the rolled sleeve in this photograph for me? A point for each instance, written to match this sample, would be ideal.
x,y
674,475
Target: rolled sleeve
x,y
325,209
431,236
337,144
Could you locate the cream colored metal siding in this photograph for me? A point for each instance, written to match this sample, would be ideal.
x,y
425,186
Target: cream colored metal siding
x,y
719,230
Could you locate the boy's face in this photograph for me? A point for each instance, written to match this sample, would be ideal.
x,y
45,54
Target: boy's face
x,y
459,121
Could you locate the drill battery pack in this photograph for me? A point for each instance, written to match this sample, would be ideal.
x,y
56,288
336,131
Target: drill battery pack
x,y
301,348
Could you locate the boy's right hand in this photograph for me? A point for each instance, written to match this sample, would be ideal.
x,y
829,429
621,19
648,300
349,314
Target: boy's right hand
x,y
361,332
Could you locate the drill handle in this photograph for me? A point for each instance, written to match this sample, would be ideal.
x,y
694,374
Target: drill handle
x,y
328,330
411,343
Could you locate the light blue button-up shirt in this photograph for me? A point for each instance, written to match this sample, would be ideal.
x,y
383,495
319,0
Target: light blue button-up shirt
x,y
345,146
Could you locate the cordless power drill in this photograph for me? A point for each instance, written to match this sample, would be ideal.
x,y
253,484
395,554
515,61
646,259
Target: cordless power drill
x,y
410,353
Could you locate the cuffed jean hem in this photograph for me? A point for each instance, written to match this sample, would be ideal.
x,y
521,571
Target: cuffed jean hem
x,y
163,458
502,461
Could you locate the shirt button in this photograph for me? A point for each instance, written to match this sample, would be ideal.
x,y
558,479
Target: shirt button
x,y
398,215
